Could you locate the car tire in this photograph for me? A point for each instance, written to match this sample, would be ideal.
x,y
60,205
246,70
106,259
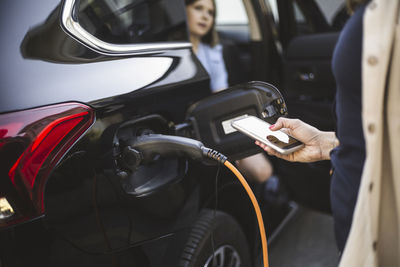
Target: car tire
x,y
230,243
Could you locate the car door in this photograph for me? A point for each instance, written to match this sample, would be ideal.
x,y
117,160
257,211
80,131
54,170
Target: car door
x,y
308,33
302,36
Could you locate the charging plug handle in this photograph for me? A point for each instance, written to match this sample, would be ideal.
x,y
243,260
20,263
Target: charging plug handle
x,y
153,145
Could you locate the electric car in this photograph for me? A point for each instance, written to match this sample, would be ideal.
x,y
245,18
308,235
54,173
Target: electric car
x,y
83,81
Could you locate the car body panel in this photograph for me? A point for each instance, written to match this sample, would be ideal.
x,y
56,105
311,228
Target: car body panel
x,y
40,50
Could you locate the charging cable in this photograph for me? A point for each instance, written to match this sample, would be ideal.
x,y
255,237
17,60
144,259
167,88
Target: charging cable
x,y
148,147
256,208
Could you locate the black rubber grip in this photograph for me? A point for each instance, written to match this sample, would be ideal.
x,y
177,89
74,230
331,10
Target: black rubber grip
x,y
152,145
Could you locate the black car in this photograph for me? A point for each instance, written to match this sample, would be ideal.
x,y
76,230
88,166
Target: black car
x,y
83,81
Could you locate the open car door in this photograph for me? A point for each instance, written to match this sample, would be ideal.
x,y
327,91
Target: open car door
x,y
302,36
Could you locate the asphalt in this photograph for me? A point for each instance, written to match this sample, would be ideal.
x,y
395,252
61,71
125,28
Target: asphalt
x,y
305,239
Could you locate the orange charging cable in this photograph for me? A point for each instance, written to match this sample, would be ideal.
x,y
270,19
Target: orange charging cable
x,y
166,144
256,208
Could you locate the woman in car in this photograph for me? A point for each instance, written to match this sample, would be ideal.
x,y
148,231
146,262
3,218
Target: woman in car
x,y
203,36
204,39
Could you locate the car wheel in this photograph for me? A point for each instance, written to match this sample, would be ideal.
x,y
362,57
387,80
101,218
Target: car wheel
x,y
230,244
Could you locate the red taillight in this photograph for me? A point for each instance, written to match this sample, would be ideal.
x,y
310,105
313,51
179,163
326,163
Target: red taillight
x,y
32,142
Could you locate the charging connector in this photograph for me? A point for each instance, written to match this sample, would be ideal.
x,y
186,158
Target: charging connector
x,y
152,146
149,147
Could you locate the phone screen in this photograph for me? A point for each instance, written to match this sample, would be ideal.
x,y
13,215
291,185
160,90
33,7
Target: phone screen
x,y
259,129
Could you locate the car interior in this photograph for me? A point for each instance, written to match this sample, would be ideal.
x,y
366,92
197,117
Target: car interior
x,y
293,52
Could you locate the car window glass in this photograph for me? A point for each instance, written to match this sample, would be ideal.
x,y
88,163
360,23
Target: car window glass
x,y
330,9
274,9
303,24
231,12
298,14
134,21
332,15
327,16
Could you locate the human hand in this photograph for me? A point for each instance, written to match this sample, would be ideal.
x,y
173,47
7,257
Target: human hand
x,y
317,144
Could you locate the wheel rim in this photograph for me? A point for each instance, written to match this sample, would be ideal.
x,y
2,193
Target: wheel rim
x,y
224,256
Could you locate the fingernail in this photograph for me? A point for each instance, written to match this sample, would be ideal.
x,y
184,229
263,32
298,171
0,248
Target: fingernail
x,y
272,126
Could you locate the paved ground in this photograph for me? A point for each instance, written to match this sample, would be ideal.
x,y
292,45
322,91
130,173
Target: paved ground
x,y
306,240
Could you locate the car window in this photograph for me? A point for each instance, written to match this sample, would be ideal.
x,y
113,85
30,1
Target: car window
x,y
134,21
274,9
314,16
303,25
298,14
231,12
330,9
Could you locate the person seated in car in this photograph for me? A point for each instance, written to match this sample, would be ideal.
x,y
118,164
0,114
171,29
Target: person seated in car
x,y
203,36
201,21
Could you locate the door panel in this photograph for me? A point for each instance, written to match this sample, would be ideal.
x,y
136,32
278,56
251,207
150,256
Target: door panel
x,y
308,66
308,80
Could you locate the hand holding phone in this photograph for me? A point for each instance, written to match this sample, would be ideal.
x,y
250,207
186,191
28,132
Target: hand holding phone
x,y
259,130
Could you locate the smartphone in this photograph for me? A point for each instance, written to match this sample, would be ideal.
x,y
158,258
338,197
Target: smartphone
x,y
259,130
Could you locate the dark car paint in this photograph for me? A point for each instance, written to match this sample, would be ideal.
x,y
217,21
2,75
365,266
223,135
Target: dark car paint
x,y
90,219
40,51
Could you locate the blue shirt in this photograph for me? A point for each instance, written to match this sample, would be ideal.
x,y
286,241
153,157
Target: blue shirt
x,y
213,62
348,158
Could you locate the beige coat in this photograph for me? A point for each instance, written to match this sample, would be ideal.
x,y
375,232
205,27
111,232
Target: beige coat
x,y
375,233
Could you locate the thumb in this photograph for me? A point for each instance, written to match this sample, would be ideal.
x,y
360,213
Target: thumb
x,y
290,124
280,123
